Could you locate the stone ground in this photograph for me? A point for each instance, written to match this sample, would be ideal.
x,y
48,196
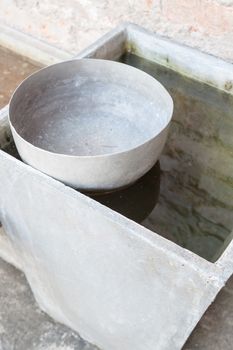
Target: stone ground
x,y
24,327
13,69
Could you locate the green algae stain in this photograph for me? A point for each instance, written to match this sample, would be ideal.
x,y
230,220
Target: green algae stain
x,y
133,48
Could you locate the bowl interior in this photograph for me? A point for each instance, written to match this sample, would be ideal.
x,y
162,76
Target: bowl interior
x,y
89,107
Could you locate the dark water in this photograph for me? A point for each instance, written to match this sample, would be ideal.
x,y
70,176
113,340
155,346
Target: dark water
x,y
127,201
136,201
188,197
195,206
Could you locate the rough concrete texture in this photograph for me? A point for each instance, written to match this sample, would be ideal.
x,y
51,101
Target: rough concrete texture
x,y
91,286
23,326
72,24
84,264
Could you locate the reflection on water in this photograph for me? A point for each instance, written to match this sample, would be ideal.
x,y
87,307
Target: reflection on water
x,y
137,201
196,192
11,149
194,207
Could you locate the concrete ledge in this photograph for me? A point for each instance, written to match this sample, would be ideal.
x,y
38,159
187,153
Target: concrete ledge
x,y
35,49
186,60
183,59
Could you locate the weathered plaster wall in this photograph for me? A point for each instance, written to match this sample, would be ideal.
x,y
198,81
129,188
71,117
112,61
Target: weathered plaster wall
x,y
73,24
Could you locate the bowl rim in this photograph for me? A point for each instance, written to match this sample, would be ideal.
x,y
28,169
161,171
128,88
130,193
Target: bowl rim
x,y
168,97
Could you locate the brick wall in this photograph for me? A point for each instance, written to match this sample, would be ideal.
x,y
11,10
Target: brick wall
x,y
73,24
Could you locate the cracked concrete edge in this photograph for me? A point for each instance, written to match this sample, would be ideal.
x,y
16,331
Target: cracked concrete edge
x,y
31,47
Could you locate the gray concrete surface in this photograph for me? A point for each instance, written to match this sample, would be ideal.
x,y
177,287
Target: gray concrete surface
x,y
115,282
215,330
24,327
